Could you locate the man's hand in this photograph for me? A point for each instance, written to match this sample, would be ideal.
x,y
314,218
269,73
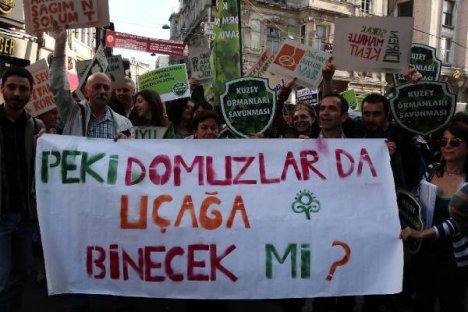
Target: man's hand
x,y
391,147
122,135
60,35
413,75
328,70
41,132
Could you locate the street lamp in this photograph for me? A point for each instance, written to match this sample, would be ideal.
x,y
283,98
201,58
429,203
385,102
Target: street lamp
x,y
165,26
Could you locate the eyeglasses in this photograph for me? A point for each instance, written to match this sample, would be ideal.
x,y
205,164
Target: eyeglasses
x,y
452,143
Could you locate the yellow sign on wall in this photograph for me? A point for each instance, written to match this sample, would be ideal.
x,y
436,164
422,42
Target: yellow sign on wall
x,y
6,6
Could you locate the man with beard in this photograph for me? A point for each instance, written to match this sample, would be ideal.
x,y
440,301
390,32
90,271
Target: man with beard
x,y
93,117
18,131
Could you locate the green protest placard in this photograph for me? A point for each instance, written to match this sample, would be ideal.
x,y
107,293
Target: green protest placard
x,y
226,59
170,82
248,105
424,60
409,211
423,107
350,96
148,132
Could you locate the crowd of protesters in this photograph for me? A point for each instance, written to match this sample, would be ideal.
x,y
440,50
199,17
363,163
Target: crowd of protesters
x,y
436,276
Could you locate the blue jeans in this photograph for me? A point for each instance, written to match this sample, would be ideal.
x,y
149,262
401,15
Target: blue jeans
x,y
15,258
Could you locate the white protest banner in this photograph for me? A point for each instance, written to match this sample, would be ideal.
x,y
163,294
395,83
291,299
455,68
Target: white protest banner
x,y
170,82
200,64
42,99
299,61
40,15
379,44
148,132
218,218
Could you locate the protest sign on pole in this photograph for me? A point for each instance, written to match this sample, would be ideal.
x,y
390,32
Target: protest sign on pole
x,y
423,107
260,69
218,219
299,61
379,44
39,16
248,106
42,99
307,96
150,45
170,82
226,60
200,64
424,60
409,211
115,70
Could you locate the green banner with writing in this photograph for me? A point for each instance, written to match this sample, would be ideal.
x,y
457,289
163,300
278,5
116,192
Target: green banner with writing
x,y
226,53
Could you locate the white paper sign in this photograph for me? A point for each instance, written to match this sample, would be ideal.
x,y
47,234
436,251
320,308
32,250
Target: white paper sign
x,y
227,219
40,15
42,99
378,44
200,64
148,132
299,61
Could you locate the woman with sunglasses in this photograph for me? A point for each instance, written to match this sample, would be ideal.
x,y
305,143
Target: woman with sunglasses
x,y
437,272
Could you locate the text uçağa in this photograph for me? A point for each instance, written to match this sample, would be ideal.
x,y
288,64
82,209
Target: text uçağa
x,y
79,166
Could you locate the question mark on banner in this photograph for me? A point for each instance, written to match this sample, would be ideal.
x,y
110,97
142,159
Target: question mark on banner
x,y
340,262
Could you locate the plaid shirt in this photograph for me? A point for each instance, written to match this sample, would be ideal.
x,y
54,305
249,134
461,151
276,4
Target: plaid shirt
x,y
102,128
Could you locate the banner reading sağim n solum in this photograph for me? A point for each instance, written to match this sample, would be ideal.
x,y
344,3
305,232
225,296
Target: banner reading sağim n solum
x,y
218,218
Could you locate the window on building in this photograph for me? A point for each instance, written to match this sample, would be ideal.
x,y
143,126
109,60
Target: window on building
x,y
273,39
447,13
406,8
445,49
321,37
303,34
366,6
255,32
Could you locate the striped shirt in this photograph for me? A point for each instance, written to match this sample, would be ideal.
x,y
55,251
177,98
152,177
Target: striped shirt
x,y
102,127
448,229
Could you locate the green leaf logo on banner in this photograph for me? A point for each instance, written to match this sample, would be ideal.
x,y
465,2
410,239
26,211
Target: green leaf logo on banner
x,y
248,105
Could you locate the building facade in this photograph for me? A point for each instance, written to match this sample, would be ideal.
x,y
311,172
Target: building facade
x,y
267,23
21,49
442,24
